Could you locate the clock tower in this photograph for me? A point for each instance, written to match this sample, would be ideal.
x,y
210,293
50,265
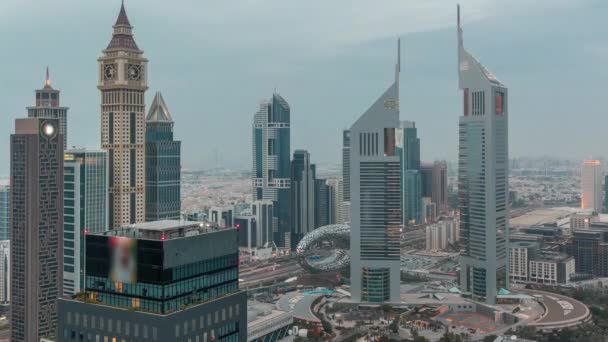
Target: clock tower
x,y
122,73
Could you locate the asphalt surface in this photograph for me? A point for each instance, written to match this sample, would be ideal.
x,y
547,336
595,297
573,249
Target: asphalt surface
x,y
559,308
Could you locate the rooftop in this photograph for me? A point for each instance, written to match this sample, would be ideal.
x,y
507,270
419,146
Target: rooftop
x,y
163,230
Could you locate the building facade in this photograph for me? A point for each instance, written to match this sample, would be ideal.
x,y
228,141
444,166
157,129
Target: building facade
x,y
482,178
36,228
222,216
5,271
552,269
375,190
336,202
163,164
590,251
271,171
85,176
159,281
48,107
346,165
302,202
321,203
408,148
439,187
606,194
520,254
5,213
122,71
591,185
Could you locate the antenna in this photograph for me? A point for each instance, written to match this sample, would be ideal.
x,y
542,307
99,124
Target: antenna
x,y
47,79
460,40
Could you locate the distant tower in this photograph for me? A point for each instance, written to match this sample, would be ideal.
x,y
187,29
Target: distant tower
x,y
483,184
36,228
439,188
123,83
271,171
375,198
47,106
85,175
346,164
408,149
163,164
606,194
5,214
321,202
591,185
302,196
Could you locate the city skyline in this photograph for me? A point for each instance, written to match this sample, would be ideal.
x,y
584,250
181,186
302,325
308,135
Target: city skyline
x,y
315,82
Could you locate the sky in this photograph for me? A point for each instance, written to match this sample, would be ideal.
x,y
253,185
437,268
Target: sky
x,y
215,60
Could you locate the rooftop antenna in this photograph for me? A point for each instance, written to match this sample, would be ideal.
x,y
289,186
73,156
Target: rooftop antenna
x,y
47,79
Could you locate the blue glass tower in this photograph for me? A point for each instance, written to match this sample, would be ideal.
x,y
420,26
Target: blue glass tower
x,y
271,170
408,148
162,164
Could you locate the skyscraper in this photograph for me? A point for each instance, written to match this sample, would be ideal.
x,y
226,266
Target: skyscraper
x,y
85,175
263,211
163,165
591,185
346,164
439,187
123,83
271,171
36,228
336,203
426,174
321,203
302,196
606,194
159,281
5,271
5,214
48,106
375,190
408,149
482,177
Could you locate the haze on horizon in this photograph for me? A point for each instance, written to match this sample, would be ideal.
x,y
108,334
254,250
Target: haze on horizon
x,y
215,60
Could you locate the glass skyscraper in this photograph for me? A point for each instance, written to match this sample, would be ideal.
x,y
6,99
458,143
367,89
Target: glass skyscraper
x,y
302,196
271,172
408,149
85,196
375,194
163,164
321,203
483,170
5,216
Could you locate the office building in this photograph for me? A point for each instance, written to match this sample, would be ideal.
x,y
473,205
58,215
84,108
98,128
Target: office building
x,y
520,254
271,171
606,194
302,196
583,220
5,271
36,228
222,216
48,107
408,149
590,251
321,203
439,187
123,82
346,165
483,182
336,202
375,199
441,234
426,174
552,269
5,214
163,165
428,209
263,212
247,228
158,281
591,185
85,197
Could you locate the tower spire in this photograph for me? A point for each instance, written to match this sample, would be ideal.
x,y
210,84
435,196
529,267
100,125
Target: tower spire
x,y
47,80
460,40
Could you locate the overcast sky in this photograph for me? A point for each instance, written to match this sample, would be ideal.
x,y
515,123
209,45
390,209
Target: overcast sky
x,y
214,60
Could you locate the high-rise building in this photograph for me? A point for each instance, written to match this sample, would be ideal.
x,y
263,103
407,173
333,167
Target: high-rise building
x,y
520,254
123,83
158,281
346,165
263,212
591,185
5,214
302,196
247,227
321,203
222,216
163,165
36,228
48,107
590,251
5,271
85,194
426,174
606,194
375,190
408,149
439,187
483,184
336,203
271,171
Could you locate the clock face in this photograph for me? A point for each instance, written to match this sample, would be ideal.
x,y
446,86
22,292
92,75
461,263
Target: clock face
x,y
135,72
109,71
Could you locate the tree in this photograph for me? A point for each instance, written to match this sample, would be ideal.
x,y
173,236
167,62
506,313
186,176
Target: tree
x,y
489,338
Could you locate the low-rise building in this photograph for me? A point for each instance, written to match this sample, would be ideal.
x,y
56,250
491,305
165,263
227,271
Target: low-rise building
x,y
266,323
552,269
